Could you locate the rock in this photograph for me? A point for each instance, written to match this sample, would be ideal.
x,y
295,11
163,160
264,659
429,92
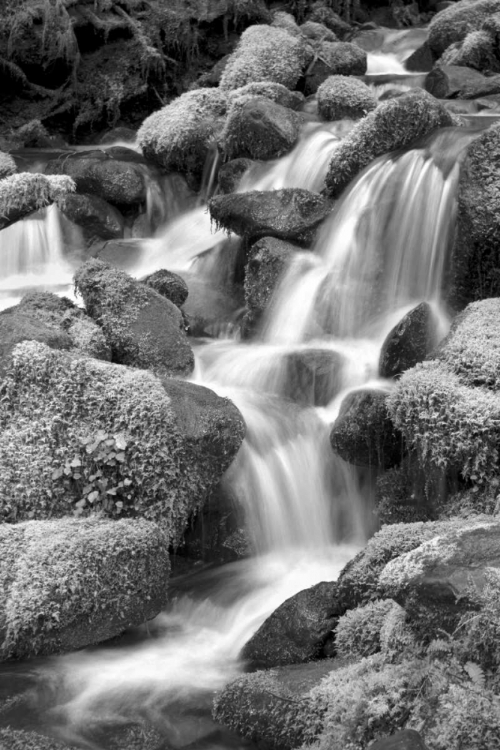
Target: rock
x,y
179,136
276,92
116,175
335,58
392,125
143,328
409,342
111,576
97,218
7,165
212,77
321,13
83,435
264,53
476,51
408,493
406,739
318,32
313,376
231,173
291,214
297,631
422,60
476,251
435,582
342,97
285,21
459,82
24,193
454,23
169,284
268,262
258,128
363,433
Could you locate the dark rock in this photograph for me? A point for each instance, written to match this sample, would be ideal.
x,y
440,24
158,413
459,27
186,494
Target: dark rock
x,y
212,77
363,433
268,261
97,218
422,60
297,631
116,175
230,174
313,376
143,328
459,82
291,214
258,128
454,23
392,125
342,97
335,58
409,342
169,285
406,739
321,13
275,92
122,565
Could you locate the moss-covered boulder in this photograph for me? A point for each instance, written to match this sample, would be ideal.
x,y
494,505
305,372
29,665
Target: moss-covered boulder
x,y
318,32
313,376
342,97
258,128
117,175
143,328
476,252
332,59
23,193
363,433
81,435
298,631
72,582
179,136
7,165
359,632
231,174
320,12
454,23
276,92
169,285
98,219
394,124
409,342
265,53
477,51
291,214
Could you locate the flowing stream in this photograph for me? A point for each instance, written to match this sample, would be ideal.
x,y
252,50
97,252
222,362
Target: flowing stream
x,y
306,512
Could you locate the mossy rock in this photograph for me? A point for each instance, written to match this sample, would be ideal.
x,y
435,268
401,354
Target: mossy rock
x,y
276,92
231,174
80,435
179,136
454,23
318,32
7,165
342,97
98,219
70,583
477,51
264,53
358,631
26,192
143,328
394,124
326,16
258,128
335,59
291,214
169,284
408,493
476,252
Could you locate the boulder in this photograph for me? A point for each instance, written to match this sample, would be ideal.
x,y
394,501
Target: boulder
x,y
405,739
264,53
231,173
26,192
117,175
459,82
169,284
97,218
342,97
335,58
478,51
454,23
83,436
321,13
394,124
143,328
111,575
437,582
318,32
363,433
269,259
276,92
422,60
179,136
476,251
298,631
258,128
313,376
291,214
409,342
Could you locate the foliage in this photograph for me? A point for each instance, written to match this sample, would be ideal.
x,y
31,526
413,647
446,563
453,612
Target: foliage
x,y
7,165
344,97
358,631
25,192
264,53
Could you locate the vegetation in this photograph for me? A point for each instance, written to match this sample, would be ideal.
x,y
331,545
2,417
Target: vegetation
x,y
454,23
276,92
342,97
23,193
15,739
358,632
7,165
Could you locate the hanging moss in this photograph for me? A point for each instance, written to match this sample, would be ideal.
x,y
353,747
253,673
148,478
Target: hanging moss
x,y
23,193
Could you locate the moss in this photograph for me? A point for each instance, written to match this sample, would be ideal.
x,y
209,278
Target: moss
x,y
285,21
454,23
318,32
476,51
264,53
7,165
394,124
258,128
358,631
16,739
276,92
73,582
409,493
179,136
23,193
344,97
